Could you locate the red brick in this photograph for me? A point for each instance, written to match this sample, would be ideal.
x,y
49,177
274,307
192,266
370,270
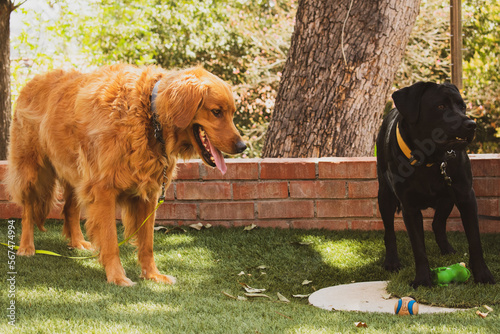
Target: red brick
x,y
260,190
367,225
3,170
485,164
345,208
347,168
188,170
169,193
237,169
284,169
176,211
4,195
362,189
488,206
286,209
489,226
10,210
203,190
317,189
226,210
321,224
488,186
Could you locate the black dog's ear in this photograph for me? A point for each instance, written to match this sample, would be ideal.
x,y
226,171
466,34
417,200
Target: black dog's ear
x,y
452,86
407,100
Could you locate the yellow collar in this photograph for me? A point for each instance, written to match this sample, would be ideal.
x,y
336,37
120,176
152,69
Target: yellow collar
x,y
405,149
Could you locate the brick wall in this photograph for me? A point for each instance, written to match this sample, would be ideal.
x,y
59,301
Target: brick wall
x,y
331,193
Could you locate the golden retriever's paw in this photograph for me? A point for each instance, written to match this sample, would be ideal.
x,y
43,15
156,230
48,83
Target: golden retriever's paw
x,y
80,244
26,250
159,278
121,281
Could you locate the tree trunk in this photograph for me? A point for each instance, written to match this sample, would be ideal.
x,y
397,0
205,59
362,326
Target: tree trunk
x,y
328,105
6,8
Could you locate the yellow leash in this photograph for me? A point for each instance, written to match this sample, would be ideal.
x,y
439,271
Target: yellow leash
x,y
45,252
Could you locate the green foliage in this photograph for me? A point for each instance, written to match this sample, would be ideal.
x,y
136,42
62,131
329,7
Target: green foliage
x,y
482,70
428,58
245,42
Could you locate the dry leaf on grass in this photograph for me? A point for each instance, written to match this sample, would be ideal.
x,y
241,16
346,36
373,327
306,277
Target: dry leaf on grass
x,y
169,229
481,314
249,227
257,295
249,289
361,324
198,226
301,296
282,298
488,308
240,298
262,267
241,273
305,282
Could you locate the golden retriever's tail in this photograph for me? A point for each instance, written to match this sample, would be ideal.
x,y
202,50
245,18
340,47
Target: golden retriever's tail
x,y
31,178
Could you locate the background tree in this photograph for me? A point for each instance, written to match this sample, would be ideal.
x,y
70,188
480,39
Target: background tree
x,y
6,7
340,66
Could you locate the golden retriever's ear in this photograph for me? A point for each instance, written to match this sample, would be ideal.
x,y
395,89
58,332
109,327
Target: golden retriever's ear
x,y
183,97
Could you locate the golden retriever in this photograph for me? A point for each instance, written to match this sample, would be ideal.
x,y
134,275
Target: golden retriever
x,y
95,134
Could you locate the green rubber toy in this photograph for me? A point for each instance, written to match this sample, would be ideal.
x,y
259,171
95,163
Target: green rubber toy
x,y
456,273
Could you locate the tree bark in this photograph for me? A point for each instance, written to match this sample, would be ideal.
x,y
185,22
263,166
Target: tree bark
x,y
331,106
6,7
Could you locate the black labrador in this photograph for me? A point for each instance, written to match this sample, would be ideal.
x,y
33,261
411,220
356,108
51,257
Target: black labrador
x,y
421,163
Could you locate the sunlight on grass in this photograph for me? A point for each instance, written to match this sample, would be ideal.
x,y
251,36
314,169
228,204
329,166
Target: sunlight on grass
x,y
345,253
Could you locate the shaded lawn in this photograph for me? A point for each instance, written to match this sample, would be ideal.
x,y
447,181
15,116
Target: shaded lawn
x,y
62,295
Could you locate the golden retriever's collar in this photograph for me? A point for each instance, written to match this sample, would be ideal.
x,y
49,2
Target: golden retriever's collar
x,y
406,150
158,131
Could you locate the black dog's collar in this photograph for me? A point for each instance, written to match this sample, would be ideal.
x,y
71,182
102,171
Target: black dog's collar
x,y
157,128
406,149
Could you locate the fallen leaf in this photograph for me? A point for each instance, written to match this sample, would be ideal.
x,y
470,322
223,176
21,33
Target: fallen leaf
x,y
249,227
386,296
169,230
208,225
241,273
249,289
488,308
301,296
257,295
305,282
241,298
361,324
228,295
282,298
198,226
262,267
481,314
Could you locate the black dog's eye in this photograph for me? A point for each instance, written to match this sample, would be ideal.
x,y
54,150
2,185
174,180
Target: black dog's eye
x,y
441,107
217,112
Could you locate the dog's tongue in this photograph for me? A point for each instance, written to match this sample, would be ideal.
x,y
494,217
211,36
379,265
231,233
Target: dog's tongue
x,y
219,159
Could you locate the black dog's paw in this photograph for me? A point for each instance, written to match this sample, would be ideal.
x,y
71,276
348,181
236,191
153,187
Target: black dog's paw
x,y
447,249
484,276
392,265
418,282
422,279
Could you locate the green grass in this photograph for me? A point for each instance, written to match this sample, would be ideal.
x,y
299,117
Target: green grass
x,y
55,295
